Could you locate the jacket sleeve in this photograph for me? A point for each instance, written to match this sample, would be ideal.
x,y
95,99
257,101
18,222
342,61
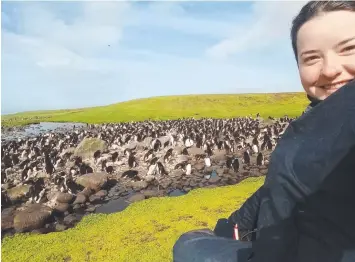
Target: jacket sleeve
x,y
247,215
312,146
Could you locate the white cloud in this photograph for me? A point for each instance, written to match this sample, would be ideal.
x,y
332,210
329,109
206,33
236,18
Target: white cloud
x,y
54,63
270,22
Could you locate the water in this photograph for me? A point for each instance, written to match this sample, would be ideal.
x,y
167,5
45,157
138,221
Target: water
x,y
33,130
112,206
176,192
213,174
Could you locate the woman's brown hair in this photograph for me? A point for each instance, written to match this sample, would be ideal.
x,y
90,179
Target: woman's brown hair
x,y
313,9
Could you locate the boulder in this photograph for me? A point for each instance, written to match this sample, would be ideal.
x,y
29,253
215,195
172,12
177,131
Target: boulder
x,y
32,217
93,181
199,166
136,197
214,180
139,185
101,193
94,199
18,192
64,197
60,197
7,218
70,220
61,207
80,199
88,146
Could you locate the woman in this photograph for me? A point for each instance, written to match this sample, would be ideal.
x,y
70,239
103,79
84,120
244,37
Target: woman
x,y
305,211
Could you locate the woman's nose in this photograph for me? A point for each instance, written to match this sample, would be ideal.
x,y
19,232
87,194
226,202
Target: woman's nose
x,y
331,67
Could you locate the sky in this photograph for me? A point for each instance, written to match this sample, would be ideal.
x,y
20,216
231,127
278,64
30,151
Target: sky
x,y
60,55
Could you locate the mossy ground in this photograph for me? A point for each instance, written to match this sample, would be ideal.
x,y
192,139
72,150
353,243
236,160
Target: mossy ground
x,y
173,107
145,231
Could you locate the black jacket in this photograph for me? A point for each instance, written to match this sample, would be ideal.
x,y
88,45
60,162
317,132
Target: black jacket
x,y
305,211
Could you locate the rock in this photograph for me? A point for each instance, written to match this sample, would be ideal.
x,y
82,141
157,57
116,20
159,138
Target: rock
x,y
182,158
220,171
208,170
187,189
195,151
64,197
136,197
264,171
61,207
68,151
88,146
32,217
7,218
193,183
214,180
60,227
101,193
90,209
139,185
176,173
94,199
19,192
165,183
93,181
80,199
76,207
199,175
219,156
199,166
70,220
150,193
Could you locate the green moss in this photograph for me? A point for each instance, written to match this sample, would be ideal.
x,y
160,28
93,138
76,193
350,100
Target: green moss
x,y
145,231
88,146
172,107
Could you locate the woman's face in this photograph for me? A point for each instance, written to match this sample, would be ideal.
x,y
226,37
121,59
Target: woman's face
x,y
326,53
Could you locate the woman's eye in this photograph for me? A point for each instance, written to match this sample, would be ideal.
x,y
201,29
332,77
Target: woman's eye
x,y
349,48
310,59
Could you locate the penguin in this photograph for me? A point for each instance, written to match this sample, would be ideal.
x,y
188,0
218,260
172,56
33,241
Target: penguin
x,y
260,159
148,155
161,169
114,156
187,169
132,161
207,162
168,155
235,165
246,157
184,151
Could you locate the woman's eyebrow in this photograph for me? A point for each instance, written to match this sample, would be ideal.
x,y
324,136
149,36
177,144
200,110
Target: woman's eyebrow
x,y
345,41
308,52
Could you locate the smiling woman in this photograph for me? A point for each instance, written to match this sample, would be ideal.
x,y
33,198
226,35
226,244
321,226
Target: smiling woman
x,y
304,212
325,47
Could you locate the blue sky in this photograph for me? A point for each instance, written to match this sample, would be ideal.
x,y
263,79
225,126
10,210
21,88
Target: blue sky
x,y
76,54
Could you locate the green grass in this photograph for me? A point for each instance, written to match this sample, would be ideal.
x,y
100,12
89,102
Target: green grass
x,y
145,231
172,107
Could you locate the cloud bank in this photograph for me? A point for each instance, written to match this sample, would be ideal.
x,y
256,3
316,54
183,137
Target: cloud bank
x,y
79,54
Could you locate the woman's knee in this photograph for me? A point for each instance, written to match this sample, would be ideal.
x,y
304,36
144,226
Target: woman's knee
x,y
183,246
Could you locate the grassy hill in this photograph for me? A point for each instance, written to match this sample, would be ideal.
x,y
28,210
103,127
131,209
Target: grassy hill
x,y
172,107
145,231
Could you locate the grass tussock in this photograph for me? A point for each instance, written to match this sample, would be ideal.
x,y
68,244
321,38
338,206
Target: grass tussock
x,y
173,107
145,231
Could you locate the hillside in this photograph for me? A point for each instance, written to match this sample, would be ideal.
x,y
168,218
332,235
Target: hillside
x,y
172,107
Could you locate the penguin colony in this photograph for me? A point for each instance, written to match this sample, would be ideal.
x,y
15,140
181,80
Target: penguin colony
x,y
137,151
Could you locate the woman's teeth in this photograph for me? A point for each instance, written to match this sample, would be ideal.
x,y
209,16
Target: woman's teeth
x,y
335,86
